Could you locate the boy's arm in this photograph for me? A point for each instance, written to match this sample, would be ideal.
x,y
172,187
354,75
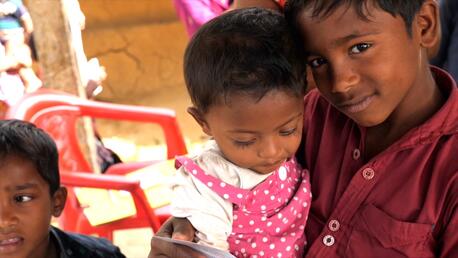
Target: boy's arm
x,y
27,24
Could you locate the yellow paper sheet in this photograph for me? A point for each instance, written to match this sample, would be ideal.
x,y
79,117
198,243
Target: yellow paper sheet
x,y
102,206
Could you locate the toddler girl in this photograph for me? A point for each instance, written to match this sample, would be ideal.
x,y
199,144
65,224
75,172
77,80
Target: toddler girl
x,y
245,192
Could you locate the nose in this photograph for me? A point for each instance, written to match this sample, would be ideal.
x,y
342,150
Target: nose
x,y
7,219
344,77
270,149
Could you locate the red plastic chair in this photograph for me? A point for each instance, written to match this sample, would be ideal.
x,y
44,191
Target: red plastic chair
x,y
74,220
57,114
35,107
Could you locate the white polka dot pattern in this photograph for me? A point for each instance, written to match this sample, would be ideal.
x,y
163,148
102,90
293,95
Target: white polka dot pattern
x,y
268,220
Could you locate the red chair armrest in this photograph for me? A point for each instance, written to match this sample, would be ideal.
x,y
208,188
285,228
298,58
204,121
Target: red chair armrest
x,y
113,182
109,182
124,168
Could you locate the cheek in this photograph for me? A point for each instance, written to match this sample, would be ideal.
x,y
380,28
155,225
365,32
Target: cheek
x,y
389,83
294,143
35,224
322,81
42,217
236,155
242,156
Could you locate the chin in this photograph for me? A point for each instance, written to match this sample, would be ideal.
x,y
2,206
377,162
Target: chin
x,y
367,121
262,171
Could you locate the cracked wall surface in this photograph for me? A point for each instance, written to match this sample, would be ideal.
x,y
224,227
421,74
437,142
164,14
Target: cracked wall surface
x,y
142,54
141,43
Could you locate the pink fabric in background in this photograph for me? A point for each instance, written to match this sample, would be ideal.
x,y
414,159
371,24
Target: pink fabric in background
x,y
194,13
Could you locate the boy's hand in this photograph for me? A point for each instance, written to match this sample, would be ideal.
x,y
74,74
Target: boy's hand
x,y
176,228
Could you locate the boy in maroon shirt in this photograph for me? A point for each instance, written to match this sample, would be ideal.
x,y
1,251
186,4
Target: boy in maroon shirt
x,y
380,137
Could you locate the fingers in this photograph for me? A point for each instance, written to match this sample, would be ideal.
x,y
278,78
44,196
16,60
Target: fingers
x,y
166,229
183,230
161,249
176,228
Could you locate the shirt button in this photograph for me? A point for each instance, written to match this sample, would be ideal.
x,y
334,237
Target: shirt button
x,y
356,154
328,240
334,225
368,173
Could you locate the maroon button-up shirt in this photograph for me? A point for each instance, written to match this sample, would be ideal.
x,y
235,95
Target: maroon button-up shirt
x,y
401,203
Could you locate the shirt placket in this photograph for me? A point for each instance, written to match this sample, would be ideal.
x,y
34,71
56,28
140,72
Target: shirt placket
x,y
357,191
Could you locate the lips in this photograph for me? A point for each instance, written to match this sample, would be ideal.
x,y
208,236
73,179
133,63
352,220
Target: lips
x,y
355,106
10,244
272,166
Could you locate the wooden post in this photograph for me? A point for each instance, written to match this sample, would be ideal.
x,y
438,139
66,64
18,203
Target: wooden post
x,y
57,41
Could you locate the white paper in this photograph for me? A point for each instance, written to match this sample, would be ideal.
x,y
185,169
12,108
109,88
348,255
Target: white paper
x,y
205,250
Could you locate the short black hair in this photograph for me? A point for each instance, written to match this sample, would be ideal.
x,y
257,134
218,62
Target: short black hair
x,y
244,51
25,140
407,9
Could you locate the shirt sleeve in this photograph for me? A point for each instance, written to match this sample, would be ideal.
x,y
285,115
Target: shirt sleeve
x,y
21,9
210,214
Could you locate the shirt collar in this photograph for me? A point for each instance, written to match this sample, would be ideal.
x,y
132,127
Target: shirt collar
x,y
58,242
443,122
446,119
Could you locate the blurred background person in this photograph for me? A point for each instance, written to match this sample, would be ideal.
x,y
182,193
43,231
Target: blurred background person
x,y
15,29
194,13
447,56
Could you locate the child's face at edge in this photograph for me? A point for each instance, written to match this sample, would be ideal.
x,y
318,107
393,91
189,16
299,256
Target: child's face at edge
x,y
26,208
256,135
369,70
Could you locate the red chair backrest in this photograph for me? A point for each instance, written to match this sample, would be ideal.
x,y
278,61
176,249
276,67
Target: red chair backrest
x,y
57,113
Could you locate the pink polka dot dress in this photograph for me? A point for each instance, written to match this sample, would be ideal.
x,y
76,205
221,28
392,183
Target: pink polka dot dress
x,y
269,219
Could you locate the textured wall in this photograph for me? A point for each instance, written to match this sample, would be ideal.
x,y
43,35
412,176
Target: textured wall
x,y
140,42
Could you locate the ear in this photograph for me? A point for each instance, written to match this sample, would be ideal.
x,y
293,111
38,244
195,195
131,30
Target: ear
x,y
427,24
200,119
58,201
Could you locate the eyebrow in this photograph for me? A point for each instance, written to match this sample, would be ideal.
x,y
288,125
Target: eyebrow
x,y
254,132
25,186
354,35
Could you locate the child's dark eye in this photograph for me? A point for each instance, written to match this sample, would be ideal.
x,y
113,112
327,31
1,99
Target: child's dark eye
x,y
359,48
22,198
243,144
287,132
317,62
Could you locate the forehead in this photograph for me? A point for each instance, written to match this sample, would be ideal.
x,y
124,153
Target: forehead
x,y
15,170
243,111
345,22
